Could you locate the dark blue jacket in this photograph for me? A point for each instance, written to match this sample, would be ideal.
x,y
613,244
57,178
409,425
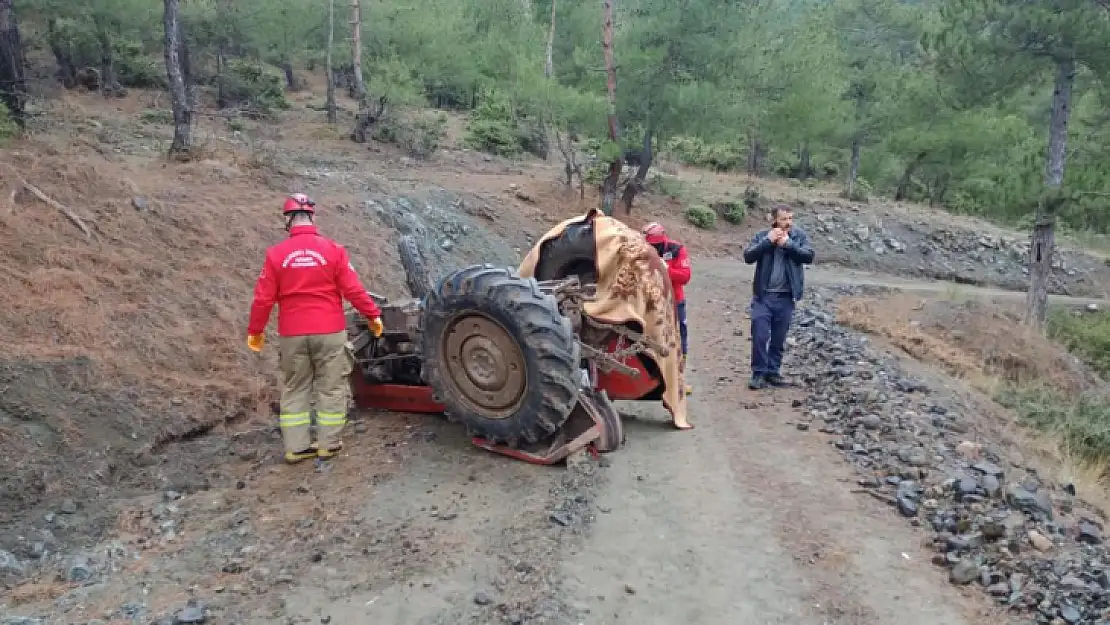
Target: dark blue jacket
x,y
762,252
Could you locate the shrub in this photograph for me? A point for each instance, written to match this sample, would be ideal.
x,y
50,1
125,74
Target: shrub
x,y
732,212
702,217
1087,335
136,69
157,116
251,85
752,198
861,192
497,128
8,129
421,136
696,152
1080,421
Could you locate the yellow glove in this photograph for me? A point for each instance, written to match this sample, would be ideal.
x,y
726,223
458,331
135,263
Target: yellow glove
x,y
376,327
255,342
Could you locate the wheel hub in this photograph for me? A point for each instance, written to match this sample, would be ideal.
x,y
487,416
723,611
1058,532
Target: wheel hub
x,y
486,365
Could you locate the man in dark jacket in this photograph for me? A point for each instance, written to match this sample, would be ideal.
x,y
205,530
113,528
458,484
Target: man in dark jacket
x,y
778,253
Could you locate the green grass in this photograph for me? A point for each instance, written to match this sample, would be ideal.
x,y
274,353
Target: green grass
x,y
1085,334
1082,423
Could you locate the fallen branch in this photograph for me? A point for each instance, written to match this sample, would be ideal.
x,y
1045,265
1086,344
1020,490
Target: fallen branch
x,y
49,201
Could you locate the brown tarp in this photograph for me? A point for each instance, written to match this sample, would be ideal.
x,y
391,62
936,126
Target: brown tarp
x,y
633,285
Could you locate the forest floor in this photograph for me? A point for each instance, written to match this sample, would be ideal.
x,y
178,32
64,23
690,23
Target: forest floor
x,y
142,481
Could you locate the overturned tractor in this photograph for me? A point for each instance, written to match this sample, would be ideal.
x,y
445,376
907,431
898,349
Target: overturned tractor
x,y
517,360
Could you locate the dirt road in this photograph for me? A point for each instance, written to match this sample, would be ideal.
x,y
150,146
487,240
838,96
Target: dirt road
x,y
737,521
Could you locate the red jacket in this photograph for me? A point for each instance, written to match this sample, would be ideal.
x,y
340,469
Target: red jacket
x,y
308,276
678,266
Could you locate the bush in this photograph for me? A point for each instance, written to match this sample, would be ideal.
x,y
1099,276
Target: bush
x,y
420,136
696,152
1087,335
861,192
135,69
157,116
497,128
252,86
8,129
702,217
732,212
669,186
1082,422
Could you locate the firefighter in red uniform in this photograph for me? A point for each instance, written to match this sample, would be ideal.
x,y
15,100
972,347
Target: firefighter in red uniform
x,y
678,267
308,276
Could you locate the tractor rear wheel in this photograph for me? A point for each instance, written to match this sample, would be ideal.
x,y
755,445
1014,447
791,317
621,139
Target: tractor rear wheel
x,y
416,272
572,253
499,355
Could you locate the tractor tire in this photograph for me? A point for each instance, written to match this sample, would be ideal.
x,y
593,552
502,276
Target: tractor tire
x,y
572,253
499,355
416,272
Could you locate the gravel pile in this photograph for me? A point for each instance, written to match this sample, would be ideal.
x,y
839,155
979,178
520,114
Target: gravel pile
x,y
899,245
1026,542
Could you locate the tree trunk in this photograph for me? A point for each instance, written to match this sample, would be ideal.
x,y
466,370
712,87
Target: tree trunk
x,y
356,52
330,103
755,155
67,72
187,67
549,59
853,168
290,75
13,85
805,161
1043,239
907,176
609,185
107,69
363,119
223,45
636,185
179,97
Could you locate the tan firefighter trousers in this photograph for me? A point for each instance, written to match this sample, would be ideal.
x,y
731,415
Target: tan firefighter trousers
x,y
314,369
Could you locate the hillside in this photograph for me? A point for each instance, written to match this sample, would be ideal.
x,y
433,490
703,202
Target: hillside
x,y
126,373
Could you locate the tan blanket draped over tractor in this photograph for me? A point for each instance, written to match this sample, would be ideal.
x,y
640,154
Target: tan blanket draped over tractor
x,y
633,285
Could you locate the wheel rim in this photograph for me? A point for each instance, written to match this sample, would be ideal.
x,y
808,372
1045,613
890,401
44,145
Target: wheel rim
x,y
485,365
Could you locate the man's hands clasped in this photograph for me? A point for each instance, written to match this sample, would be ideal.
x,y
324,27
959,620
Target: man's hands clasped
x,y
778,236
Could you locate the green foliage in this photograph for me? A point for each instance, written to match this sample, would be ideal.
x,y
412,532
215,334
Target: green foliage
x,y
697,153
421,135
254,87
8,129
732,212
861,192
1086,335
701,217
157,116
498,128
135,68
948,100
1083,422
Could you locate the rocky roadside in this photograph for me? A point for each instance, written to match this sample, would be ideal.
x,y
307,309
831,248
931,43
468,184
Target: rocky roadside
x,y
1030,545
218,556
861,238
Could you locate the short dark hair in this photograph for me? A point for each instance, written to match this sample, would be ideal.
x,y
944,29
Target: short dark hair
x,y
779,209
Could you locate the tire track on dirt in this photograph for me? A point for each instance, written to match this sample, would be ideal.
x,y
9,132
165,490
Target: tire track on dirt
x,y
740,521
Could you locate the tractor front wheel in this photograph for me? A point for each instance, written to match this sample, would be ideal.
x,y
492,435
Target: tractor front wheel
x,y
499,355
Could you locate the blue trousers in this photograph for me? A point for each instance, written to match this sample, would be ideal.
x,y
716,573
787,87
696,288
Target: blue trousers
x,y
771,315
680,312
